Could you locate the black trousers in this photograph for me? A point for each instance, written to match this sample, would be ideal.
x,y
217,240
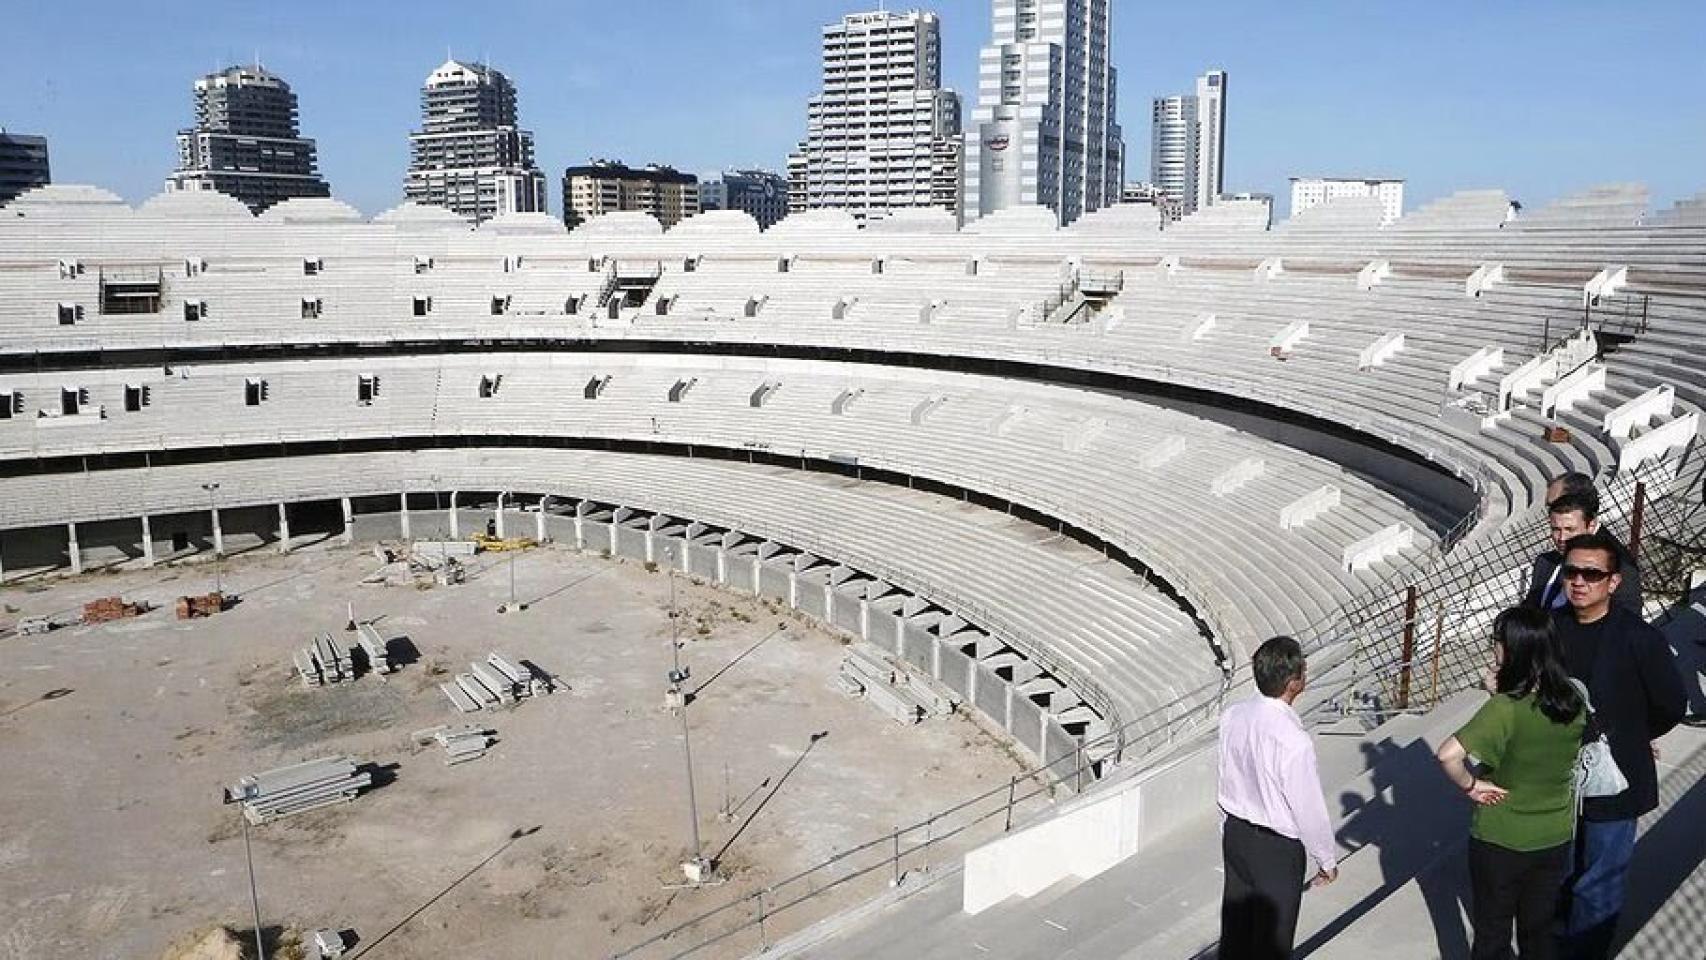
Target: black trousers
x,y
1515,886
1264,889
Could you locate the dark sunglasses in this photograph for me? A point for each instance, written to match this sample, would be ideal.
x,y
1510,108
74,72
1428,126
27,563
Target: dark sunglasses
x,y
1588,574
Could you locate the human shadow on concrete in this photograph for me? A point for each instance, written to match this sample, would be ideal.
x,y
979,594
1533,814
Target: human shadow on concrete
x,y
1684,626
1666,857
1412,818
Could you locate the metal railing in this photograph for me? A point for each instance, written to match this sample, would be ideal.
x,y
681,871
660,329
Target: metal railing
x,y
1621,315
1433,635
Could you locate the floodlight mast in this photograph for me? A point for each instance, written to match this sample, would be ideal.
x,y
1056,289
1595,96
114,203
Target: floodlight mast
x,y
697,869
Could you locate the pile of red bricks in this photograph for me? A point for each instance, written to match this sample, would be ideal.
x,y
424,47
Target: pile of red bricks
x,y
203,605
111,608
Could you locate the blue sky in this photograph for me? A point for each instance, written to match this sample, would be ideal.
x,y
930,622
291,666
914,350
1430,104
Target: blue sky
x,y
1541,98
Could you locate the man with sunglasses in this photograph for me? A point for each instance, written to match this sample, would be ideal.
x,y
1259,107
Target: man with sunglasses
x,y
1637,697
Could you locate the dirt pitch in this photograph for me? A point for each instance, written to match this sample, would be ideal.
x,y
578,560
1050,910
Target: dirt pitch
x,y
116,741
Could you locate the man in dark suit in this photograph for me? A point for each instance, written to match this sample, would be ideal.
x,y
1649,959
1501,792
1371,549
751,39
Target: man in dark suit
x,y
1569,515
1637,696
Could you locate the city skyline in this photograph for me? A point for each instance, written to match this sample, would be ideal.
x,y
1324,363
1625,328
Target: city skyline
x,y
1470,98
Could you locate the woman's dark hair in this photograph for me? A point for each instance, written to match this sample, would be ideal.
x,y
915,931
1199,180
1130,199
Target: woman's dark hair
x,y
1534,663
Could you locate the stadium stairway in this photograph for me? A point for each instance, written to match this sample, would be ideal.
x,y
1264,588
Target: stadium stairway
x,y
1402,889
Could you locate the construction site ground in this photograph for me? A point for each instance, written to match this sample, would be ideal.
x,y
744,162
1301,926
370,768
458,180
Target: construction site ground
x,y
117,739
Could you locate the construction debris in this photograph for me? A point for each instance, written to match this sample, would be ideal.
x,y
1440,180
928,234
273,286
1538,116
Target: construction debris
x,y
374,645
323,662
434,559
295,789
444,548
498,681
329,944
107,609
30,626
460,744
897,693
200,605
529,682
453,572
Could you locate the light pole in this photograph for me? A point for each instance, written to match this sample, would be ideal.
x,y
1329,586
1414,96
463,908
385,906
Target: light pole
x,y
254,893
218,554
696,868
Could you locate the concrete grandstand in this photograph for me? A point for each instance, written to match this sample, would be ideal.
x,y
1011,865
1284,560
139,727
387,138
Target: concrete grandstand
x,y
1072,476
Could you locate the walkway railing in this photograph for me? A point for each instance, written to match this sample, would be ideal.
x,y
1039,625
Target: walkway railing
x,y
910,847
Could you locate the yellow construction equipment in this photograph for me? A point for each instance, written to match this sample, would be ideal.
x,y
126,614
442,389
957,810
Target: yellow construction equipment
x,y
489,544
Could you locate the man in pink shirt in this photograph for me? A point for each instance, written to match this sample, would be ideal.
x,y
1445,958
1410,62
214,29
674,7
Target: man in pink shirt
x,y
1275,817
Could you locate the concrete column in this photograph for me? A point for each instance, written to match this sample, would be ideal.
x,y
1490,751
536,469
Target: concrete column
x,y
971,681
218,534
455,532
403,505
75,551
283,529
498,515
539,519
147,542
349,522
2,559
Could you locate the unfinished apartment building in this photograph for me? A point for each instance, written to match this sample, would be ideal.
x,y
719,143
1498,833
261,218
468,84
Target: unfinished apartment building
x,y
469,155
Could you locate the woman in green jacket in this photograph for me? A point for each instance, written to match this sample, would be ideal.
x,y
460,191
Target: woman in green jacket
x,y
1526,738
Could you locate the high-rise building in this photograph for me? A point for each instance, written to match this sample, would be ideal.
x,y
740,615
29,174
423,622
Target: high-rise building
x,y
470,155
1211,137
1173,145
245,141
1046,130
883,134
1187,145
23,163
761,194
1307,192
608,186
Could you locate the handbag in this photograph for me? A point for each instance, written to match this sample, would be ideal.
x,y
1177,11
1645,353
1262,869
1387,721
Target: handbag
x,y
1596,771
